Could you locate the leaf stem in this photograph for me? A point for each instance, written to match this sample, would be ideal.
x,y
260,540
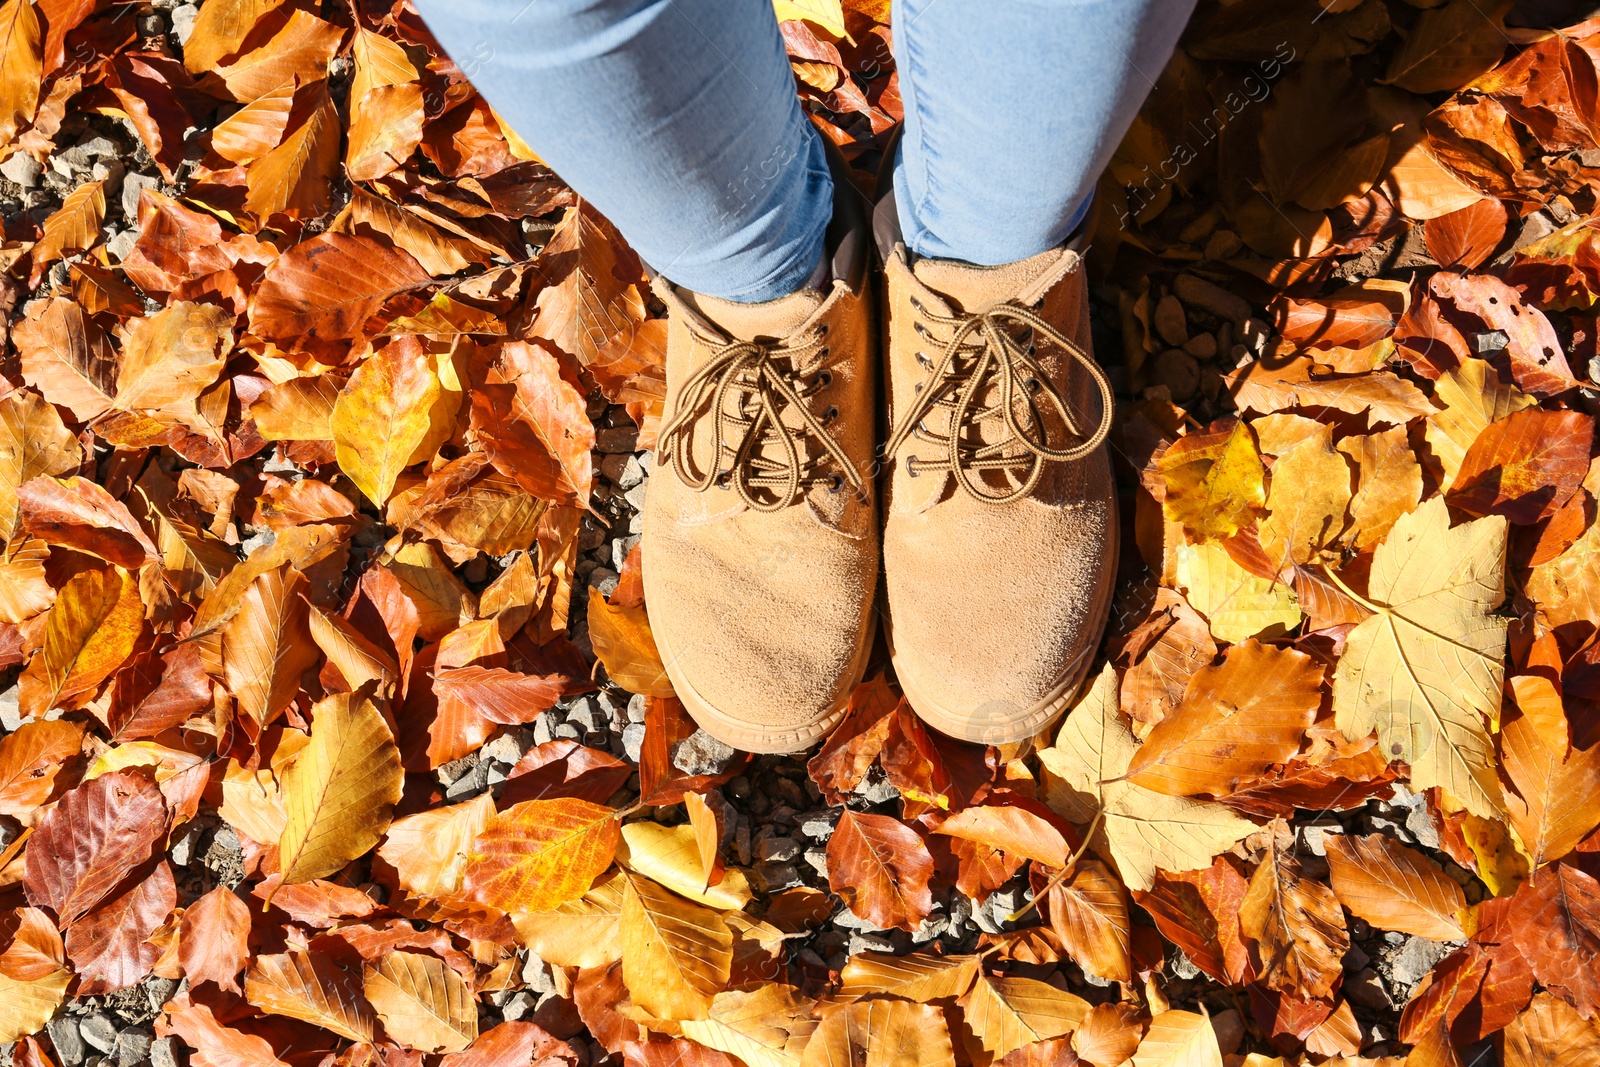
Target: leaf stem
x,y
1064,873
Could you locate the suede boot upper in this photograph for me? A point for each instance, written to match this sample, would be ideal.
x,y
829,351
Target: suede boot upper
x,y
997,588
761,528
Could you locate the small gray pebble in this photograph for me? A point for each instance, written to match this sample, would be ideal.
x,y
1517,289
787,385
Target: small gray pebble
x,y
163,1052
183,18
633,740
700,753
133,1047
99,1031
22,169
68,1041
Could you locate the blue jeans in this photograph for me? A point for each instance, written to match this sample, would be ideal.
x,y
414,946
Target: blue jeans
x,y
678,120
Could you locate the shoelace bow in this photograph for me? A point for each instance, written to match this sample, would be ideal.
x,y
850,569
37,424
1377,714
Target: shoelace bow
x,y
766,381
982,350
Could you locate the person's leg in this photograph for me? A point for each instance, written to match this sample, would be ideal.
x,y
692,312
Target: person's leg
x,y
678,119
1011,115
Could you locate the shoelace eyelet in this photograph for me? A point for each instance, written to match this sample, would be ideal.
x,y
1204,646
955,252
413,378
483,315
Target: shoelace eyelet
x,y
836,484
912,471
824,379
927,364
829,415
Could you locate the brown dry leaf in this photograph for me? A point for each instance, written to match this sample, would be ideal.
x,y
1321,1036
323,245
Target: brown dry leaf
x,y
327,287
1297,926
880,867
30,760
1524,466
1008,1013
1236,719
25,589
768,1026
1388,484
1425,671
170,357
220,30
90,840
78,514
676,956
1170,644
21,70
340,791
534,426
90,632
919,976
74,227
1554,799
623,642
670,855
1551,1033
267,644
213,939
384,131
1140,831
1395,888
112,947
1109,1034
292,179
298,52
1178,1039
881,1033
1307,503
580,933
540,854
1381,396
67,357
214,1045
382,416
1089,913
1020,827
312,987
424,1004
429,850
34,443
1471,397
255,129
1216,489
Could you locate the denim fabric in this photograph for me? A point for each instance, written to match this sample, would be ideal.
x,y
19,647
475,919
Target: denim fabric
x,y
678,119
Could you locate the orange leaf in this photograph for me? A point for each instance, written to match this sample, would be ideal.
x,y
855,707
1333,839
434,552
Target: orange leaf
x,y
541,853
880,868
213,939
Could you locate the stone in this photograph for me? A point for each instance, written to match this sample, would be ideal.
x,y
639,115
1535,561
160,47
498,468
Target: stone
x,y
99,1031
635,496
777,849
877,791
182,851
605,580
633,740
776,877
558,1016
1364,990
617,439
1355,960
700,753
22,169
817,858
68,1041
536,974
582,712
1415,959
455,769
1312,835
1202,346
860,943
569,731
1178,371
469,785
1183,967
133,1047
507,748
10,712
1223,244
1169,321
637,705
183,17
818,824
1199,293
158,990
133,184
1255,334
519,1006
163,1052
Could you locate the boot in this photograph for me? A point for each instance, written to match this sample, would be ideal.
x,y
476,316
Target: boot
x,y
1000,531
760,524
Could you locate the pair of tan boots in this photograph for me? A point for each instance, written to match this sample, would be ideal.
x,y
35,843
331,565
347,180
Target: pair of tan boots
x,y
763,538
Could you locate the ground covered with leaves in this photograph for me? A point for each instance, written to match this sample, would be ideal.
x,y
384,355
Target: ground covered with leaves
x,y
333,729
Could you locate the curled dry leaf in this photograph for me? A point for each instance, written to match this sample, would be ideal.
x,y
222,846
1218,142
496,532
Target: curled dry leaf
x,y
1297,926
623,642
671,855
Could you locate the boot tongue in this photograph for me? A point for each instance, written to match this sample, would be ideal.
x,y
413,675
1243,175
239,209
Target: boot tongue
x,y
970,289
772,320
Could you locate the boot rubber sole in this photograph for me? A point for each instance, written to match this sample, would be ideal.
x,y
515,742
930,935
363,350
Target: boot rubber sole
x,y
1029,721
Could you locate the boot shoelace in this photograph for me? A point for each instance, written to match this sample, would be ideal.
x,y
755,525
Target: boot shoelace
x,y
764,381
983,351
